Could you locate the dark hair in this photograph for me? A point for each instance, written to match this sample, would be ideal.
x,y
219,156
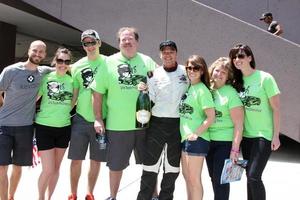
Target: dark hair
x,y
199,61
238,83
131,29
60,50
224,62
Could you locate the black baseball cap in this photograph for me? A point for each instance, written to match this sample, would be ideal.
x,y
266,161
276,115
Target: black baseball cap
x,y
264,15
167,43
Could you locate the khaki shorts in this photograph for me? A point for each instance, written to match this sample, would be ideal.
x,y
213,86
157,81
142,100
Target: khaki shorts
x,y
120,146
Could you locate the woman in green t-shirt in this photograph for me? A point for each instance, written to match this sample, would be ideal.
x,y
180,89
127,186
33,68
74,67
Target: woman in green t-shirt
x,y
197,113
53,121
226,132
260,96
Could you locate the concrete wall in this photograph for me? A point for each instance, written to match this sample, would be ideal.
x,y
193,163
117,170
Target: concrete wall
x,y
198,30
286,12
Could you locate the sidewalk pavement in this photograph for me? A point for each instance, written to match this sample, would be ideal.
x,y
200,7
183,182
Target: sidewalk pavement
x,y
281,178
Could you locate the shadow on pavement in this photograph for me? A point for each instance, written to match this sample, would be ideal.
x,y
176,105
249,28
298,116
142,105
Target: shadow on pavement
x,y
288,152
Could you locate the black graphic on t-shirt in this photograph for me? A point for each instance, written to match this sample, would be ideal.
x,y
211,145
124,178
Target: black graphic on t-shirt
x,y
218,113
30,79
127,75
87,76
247,100
183,107
56,91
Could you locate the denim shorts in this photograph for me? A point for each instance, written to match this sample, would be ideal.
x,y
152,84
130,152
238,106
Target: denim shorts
x,y
198,147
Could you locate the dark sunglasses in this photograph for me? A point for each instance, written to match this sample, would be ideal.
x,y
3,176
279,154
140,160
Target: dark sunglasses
x,y
194,69
61,61
239,56
89,44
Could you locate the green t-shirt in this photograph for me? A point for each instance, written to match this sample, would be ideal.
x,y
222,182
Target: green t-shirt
x,y
83,73
259,88
225,98
191,110
57,93
119,83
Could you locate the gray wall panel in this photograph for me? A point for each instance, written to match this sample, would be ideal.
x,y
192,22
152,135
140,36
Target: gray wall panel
x,y
52,7
286,12
108,16
200,30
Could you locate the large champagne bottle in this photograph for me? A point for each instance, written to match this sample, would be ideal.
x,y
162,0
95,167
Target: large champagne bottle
x,y
143,109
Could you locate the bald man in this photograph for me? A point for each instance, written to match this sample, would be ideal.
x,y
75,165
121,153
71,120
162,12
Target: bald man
x,y
19,83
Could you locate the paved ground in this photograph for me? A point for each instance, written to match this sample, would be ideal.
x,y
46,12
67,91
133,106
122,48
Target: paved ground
x,y
281,178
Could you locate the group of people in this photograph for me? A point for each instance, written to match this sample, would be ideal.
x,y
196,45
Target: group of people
x,y
198,112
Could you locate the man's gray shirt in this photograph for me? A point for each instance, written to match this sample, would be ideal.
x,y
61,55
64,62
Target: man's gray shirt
x,y
20,87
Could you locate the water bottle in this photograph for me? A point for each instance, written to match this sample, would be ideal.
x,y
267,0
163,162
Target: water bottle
x,y
101,140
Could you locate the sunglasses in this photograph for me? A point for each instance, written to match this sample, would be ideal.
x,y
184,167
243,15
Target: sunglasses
x,y
194,69
89,44
239,56
61,61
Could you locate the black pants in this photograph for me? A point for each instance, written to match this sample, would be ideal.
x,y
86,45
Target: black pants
x,y
162,146
257,151
218,152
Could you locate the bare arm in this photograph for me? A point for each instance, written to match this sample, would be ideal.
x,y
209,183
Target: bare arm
x,y
210,118
275,104
97,106
1,98
237,117
74,98
279,30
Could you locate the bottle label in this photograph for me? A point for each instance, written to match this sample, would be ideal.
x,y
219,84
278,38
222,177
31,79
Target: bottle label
x,y
143,116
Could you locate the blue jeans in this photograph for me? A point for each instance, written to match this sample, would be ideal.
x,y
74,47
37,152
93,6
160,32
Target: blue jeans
x,y
218,152
257,151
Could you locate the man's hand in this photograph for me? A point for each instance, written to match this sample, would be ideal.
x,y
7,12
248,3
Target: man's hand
x,y
142,86
99,126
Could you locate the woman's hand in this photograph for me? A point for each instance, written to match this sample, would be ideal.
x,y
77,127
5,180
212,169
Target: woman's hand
x,y
275,143
234,156
192,137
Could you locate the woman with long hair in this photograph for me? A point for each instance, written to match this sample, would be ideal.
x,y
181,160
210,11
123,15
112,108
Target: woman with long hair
x,y
197,113
53,121
260,96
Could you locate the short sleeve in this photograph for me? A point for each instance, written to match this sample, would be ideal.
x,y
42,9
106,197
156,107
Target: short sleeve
x,y
205,98
234,100
5,79
100,82
270,86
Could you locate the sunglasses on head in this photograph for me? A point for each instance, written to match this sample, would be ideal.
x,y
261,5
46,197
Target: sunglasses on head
x,y
239,56
89,44
194,69
61,61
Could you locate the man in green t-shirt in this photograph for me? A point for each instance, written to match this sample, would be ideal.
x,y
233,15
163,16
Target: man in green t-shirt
x,y
119,82
83,132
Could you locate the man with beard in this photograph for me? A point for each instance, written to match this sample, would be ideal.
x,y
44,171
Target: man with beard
x,y
19,83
